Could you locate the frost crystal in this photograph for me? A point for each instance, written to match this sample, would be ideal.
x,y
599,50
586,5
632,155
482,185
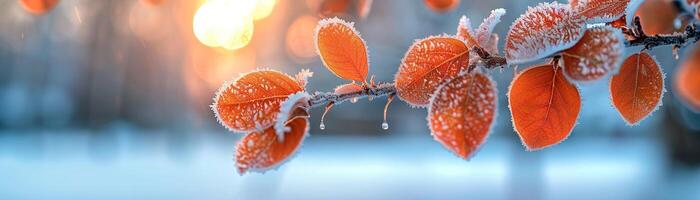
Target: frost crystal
x,y
250,102
484,34
427,64
287,107
462,112
600,11
598,53
542,31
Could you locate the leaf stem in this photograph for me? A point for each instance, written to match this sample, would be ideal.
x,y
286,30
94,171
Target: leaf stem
x,y
489,61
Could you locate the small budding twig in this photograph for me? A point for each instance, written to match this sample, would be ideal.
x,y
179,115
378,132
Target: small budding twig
x,y
324,98
689,36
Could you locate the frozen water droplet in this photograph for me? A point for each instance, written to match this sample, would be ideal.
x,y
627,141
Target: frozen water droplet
x,y
677,23
353,100
385,126
322,126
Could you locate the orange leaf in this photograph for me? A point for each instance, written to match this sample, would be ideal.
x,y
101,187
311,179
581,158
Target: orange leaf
x,y
466,32
461,113
441,5
637,89
250,102
687,83
544,106
426,65
658,17
341,49
598,53
261,151
333,7
348,88
600,11
542,31
38,6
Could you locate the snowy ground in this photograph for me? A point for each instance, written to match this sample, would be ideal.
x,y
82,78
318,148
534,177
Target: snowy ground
x,y
130,165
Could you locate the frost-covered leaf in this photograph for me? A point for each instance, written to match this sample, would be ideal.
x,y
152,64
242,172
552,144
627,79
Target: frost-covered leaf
x,y
542,31
342,50
600,11
484,34
348,88
466,32
427,64
599,52
544,106
687,84
295,106
303,77
250,102
461,113
637,89
441,5
659,17
261,151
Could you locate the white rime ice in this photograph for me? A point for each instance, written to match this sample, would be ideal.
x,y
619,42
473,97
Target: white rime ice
x,y
542,31
293,101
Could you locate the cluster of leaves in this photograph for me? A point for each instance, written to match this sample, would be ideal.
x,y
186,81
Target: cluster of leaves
x,y
446,74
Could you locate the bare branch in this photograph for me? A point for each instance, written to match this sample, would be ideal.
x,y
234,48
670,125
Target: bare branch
x,y
323,98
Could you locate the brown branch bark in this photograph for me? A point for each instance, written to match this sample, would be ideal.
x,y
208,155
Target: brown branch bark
x,y
488,61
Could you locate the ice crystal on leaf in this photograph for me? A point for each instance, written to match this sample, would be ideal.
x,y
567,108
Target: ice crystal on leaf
x,y
250,102
342,50
295,106
483,36
544,106
427,64
466,32
599,52
542,31
637,89
261,151
303,77
462,111
600,11
687,83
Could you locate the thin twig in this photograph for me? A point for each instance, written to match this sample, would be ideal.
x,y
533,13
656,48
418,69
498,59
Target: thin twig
x,y
488,61
323,98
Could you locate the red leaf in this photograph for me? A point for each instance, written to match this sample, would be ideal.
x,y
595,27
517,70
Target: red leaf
x,y
543,31
461,113
598,53
687,82
659,17
600,11
637,89
426,65
261,151
544,106
342,50
250,102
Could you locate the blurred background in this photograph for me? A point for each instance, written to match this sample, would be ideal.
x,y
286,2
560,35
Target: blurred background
x,y
110,100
